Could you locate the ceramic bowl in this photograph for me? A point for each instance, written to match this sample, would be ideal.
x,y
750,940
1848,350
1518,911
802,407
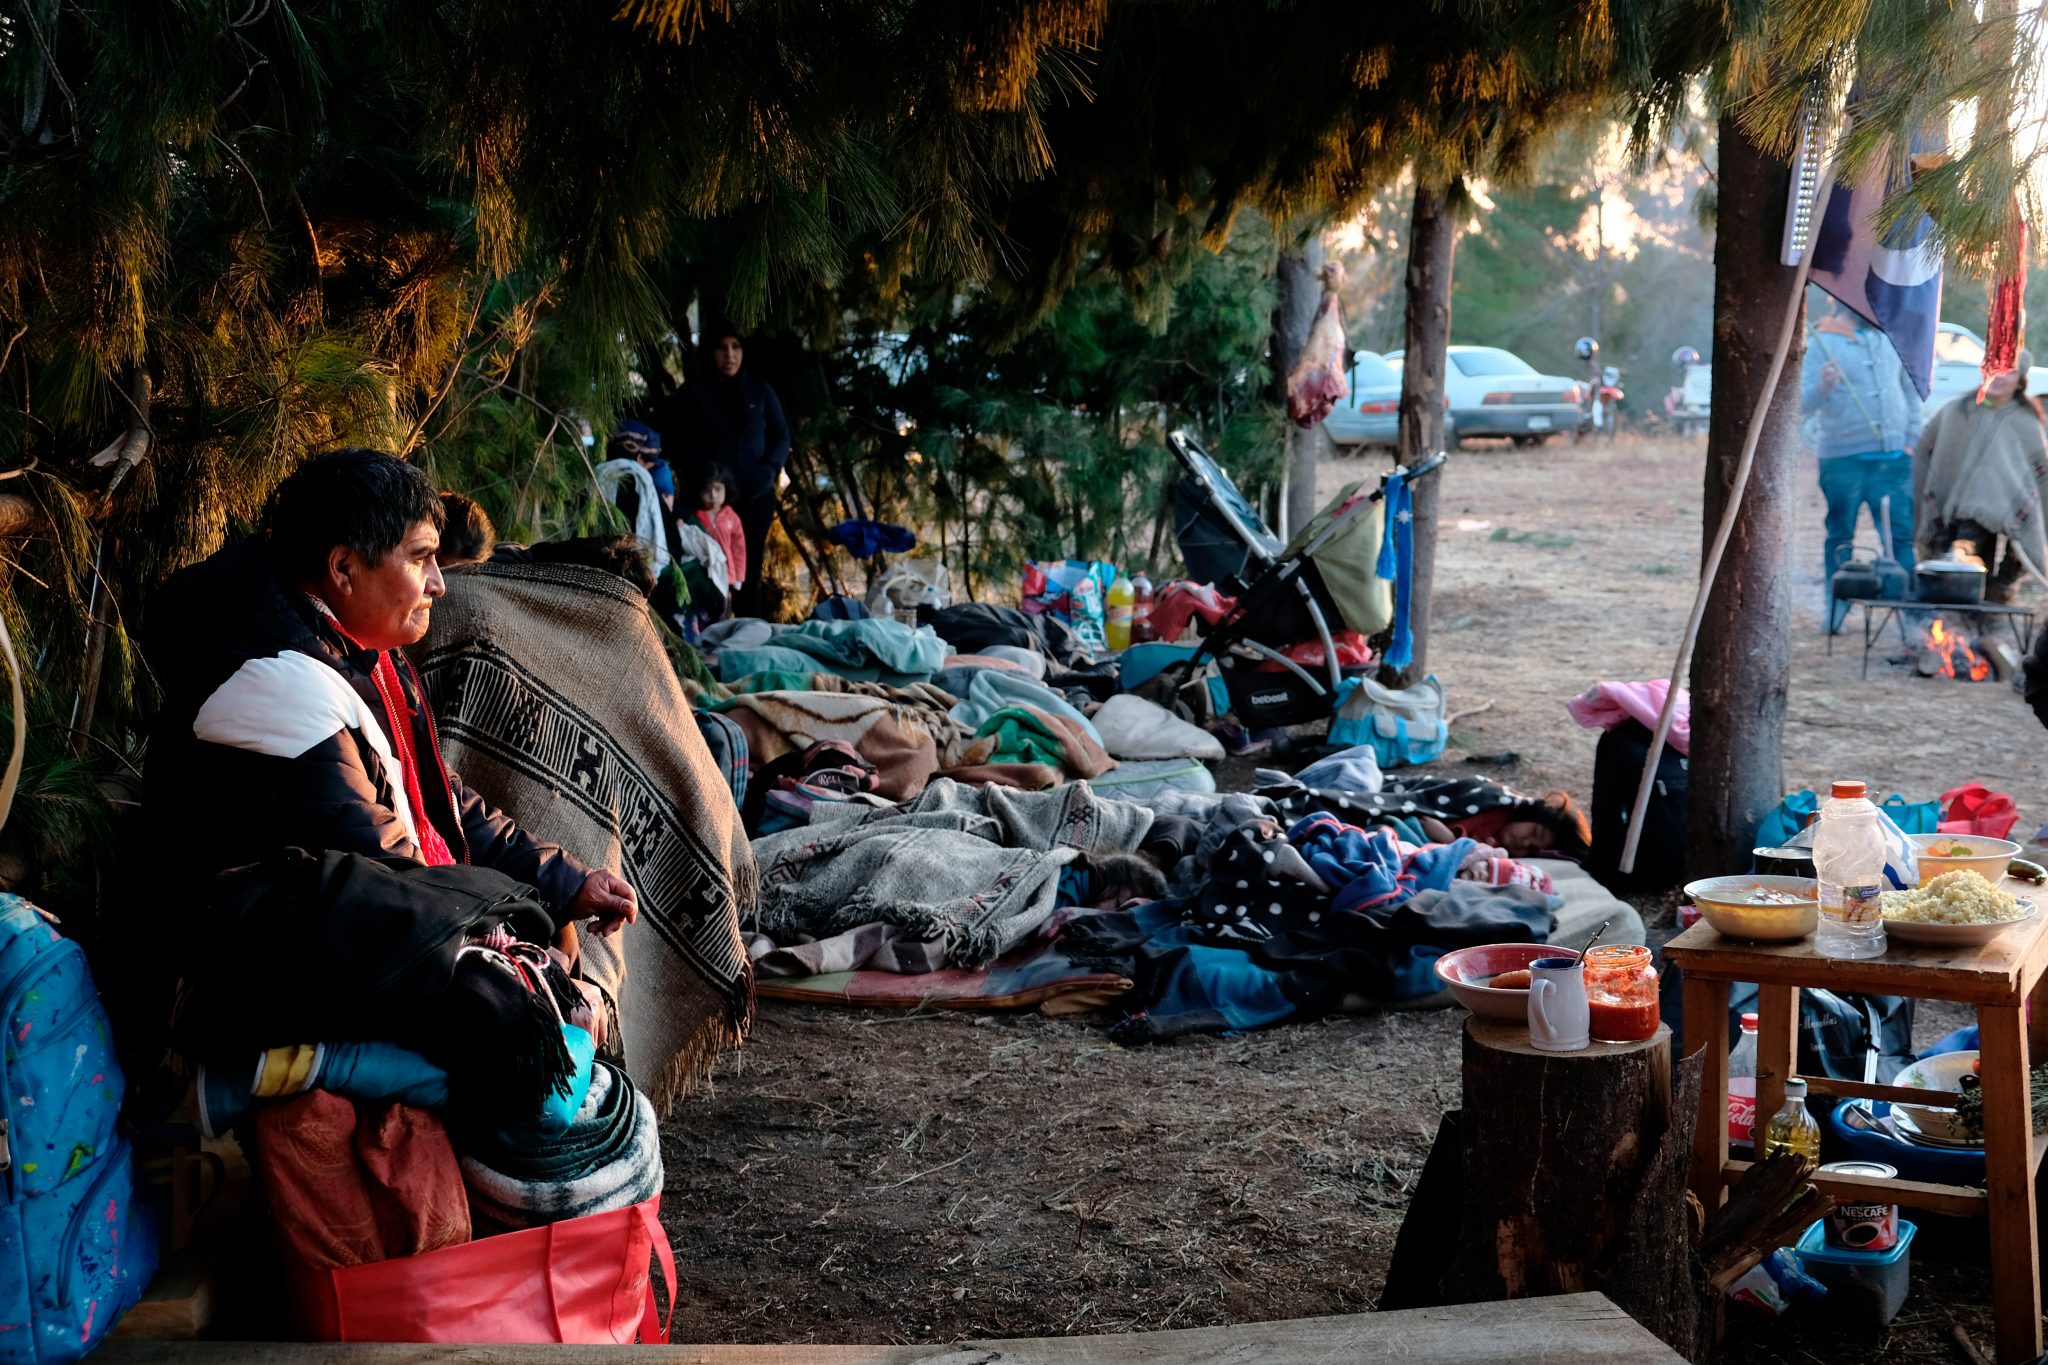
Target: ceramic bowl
x,y
1467,971
1987,856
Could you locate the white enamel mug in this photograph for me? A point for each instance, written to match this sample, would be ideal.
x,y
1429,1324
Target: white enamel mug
x,y
1559,1020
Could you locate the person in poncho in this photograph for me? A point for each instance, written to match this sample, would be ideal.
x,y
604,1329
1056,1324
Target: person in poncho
x,y
1981,475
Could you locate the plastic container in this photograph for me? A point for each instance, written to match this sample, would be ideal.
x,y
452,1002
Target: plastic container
x,y
1742,1089
1866,1289
1116,617
1141,608
1849,857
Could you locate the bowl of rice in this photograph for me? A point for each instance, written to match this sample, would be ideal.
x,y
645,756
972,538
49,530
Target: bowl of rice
x,y
1955,908
1978,853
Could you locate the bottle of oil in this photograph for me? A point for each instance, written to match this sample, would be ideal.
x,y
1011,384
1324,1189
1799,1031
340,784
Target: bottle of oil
x,y
1792,1129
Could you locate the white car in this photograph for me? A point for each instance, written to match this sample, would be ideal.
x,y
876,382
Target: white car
x,y
1959,366
1371,416
1493,392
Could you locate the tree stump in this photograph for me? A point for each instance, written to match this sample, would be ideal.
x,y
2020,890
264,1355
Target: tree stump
x,y
1575,1176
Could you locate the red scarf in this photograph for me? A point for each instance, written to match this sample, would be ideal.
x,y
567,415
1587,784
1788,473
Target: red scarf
x,y
398,717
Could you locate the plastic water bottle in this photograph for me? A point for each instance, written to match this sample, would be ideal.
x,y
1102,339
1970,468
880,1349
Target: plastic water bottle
x,y
1848,856
1742,1090
1116,620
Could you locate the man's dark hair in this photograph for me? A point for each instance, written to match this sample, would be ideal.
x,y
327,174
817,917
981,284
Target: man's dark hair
x,y
364,499
621,555
467,537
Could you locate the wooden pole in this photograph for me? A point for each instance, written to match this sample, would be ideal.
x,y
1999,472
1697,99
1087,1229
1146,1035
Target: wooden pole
x,y
1739,692
1432,248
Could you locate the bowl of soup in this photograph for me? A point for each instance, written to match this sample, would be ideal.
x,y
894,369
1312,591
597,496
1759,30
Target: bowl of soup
x,y
1759,907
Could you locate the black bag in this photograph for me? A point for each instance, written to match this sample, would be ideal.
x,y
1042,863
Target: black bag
x,y
333,946
1617,769
1838,1030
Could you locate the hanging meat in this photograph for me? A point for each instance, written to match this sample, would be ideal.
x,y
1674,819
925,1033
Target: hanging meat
x,y
1317,381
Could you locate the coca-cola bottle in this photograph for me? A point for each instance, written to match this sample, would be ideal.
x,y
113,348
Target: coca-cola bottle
x,y
1742,1091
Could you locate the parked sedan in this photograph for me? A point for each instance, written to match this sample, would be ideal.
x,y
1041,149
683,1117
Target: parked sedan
x,y
1497,393
1371,416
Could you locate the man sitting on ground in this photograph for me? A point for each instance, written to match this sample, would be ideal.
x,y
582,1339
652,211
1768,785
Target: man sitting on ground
x,y
291,718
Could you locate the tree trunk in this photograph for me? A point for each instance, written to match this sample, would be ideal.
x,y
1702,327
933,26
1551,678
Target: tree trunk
x,y
1742,663
1300,292
1432,246
1574,1176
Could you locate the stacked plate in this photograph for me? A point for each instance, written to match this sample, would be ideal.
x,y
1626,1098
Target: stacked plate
x,y
1934,1124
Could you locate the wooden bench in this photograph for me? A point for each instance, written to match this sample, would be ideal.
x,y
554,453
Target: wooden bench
x,y
1571,1329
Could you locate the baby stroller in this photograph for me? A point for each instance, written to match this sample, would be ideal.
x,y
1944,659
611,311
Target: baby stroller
x,y
1287,594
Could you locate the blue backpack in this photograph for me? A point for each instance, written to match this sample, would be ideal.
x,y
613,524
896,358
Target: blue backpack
x,y
77,1247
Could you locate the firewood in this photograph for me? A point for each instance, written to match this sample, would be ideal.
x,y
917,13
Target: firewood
x,y
1772,1206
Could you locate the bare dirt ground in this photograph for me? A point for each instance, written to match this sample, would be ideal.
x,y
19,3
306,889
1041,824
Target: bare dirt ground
x,y
855,1176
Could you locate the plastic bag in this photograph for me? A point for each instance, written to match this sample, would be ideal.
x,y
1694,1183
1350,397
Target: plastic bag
x,y
1901,859
1775,1283
1071,590
584,1280
908,585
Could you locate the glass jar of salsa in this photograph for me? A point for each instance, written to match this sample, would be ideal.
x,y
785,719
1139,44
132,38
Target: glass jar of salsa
x,y
1621,994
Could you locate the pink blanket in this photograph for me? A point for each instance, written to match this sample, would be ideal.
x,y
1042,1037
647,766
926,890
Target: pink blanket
x,y
1606,705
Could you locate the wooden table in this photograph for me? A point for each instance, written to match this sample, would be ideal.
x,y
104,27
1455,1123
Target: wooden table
x,y
1570,1329
1999,978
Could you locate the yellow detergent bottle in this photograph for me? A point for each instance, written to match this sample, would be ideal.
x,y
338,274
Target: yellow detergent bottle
x,y
1116,617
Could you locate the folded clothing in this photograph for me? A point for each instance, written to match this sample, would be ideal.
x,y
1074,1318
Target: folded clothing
x,y
1605,705
610,1158
348,1187
973,627
1180,603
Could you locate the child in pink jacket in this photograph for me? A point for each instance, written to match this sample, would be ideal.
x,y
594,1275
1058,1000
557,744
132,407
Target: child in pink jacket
x,y
723,524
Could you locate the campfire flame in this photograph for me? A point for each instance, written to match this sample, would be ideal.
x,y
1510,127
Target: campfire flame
x,y
1958,660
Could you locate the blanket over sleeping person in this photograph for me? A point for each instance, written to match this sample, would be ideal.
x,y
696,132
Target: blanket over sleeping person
x,y
554,697
972,869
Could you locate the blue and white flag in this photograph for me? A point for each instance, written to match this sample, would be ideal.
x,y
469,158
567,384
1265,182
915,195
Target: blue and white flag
x,y
1893,283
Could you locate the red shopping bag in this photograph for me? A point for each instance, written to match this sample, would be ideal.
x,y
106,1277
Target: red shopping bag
x,y
584,1281
1974,808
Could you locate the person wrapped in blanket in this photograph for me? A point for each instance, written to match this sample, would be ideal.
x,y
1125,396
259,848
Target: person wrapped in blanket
x,y
359,930
1430,809
1315,891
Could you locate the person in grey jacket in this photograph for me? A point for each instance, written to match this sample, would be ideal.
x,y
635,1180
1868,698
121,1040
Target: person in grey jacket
x,y
1865,416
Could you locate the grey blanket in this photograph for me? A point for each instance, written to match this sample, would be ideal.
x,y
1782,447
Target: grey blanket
x,y
976,868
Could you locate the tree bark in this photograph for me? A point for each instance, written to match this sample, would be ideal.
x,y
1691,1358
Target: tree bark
x,y
1574,1176
1300,292
1742,663
1432,248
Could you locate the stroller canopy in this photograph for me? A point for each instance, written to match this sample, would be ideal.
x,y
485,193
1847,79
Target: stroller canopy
x,y
1222,539
1343,543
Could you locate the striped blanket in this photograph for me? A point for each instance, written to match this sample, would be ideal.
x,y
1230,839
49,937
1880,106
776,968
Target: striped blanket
x,y
554,698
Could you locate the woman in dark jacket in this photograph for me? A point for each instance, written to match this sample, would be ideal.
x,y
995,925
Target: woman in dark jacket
x,y
729,416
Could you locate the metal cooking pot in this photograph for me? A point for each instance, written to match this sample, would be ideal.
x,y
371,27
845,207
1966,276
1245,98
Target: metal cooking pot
x,y
1855,578
1950,582
1893,582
